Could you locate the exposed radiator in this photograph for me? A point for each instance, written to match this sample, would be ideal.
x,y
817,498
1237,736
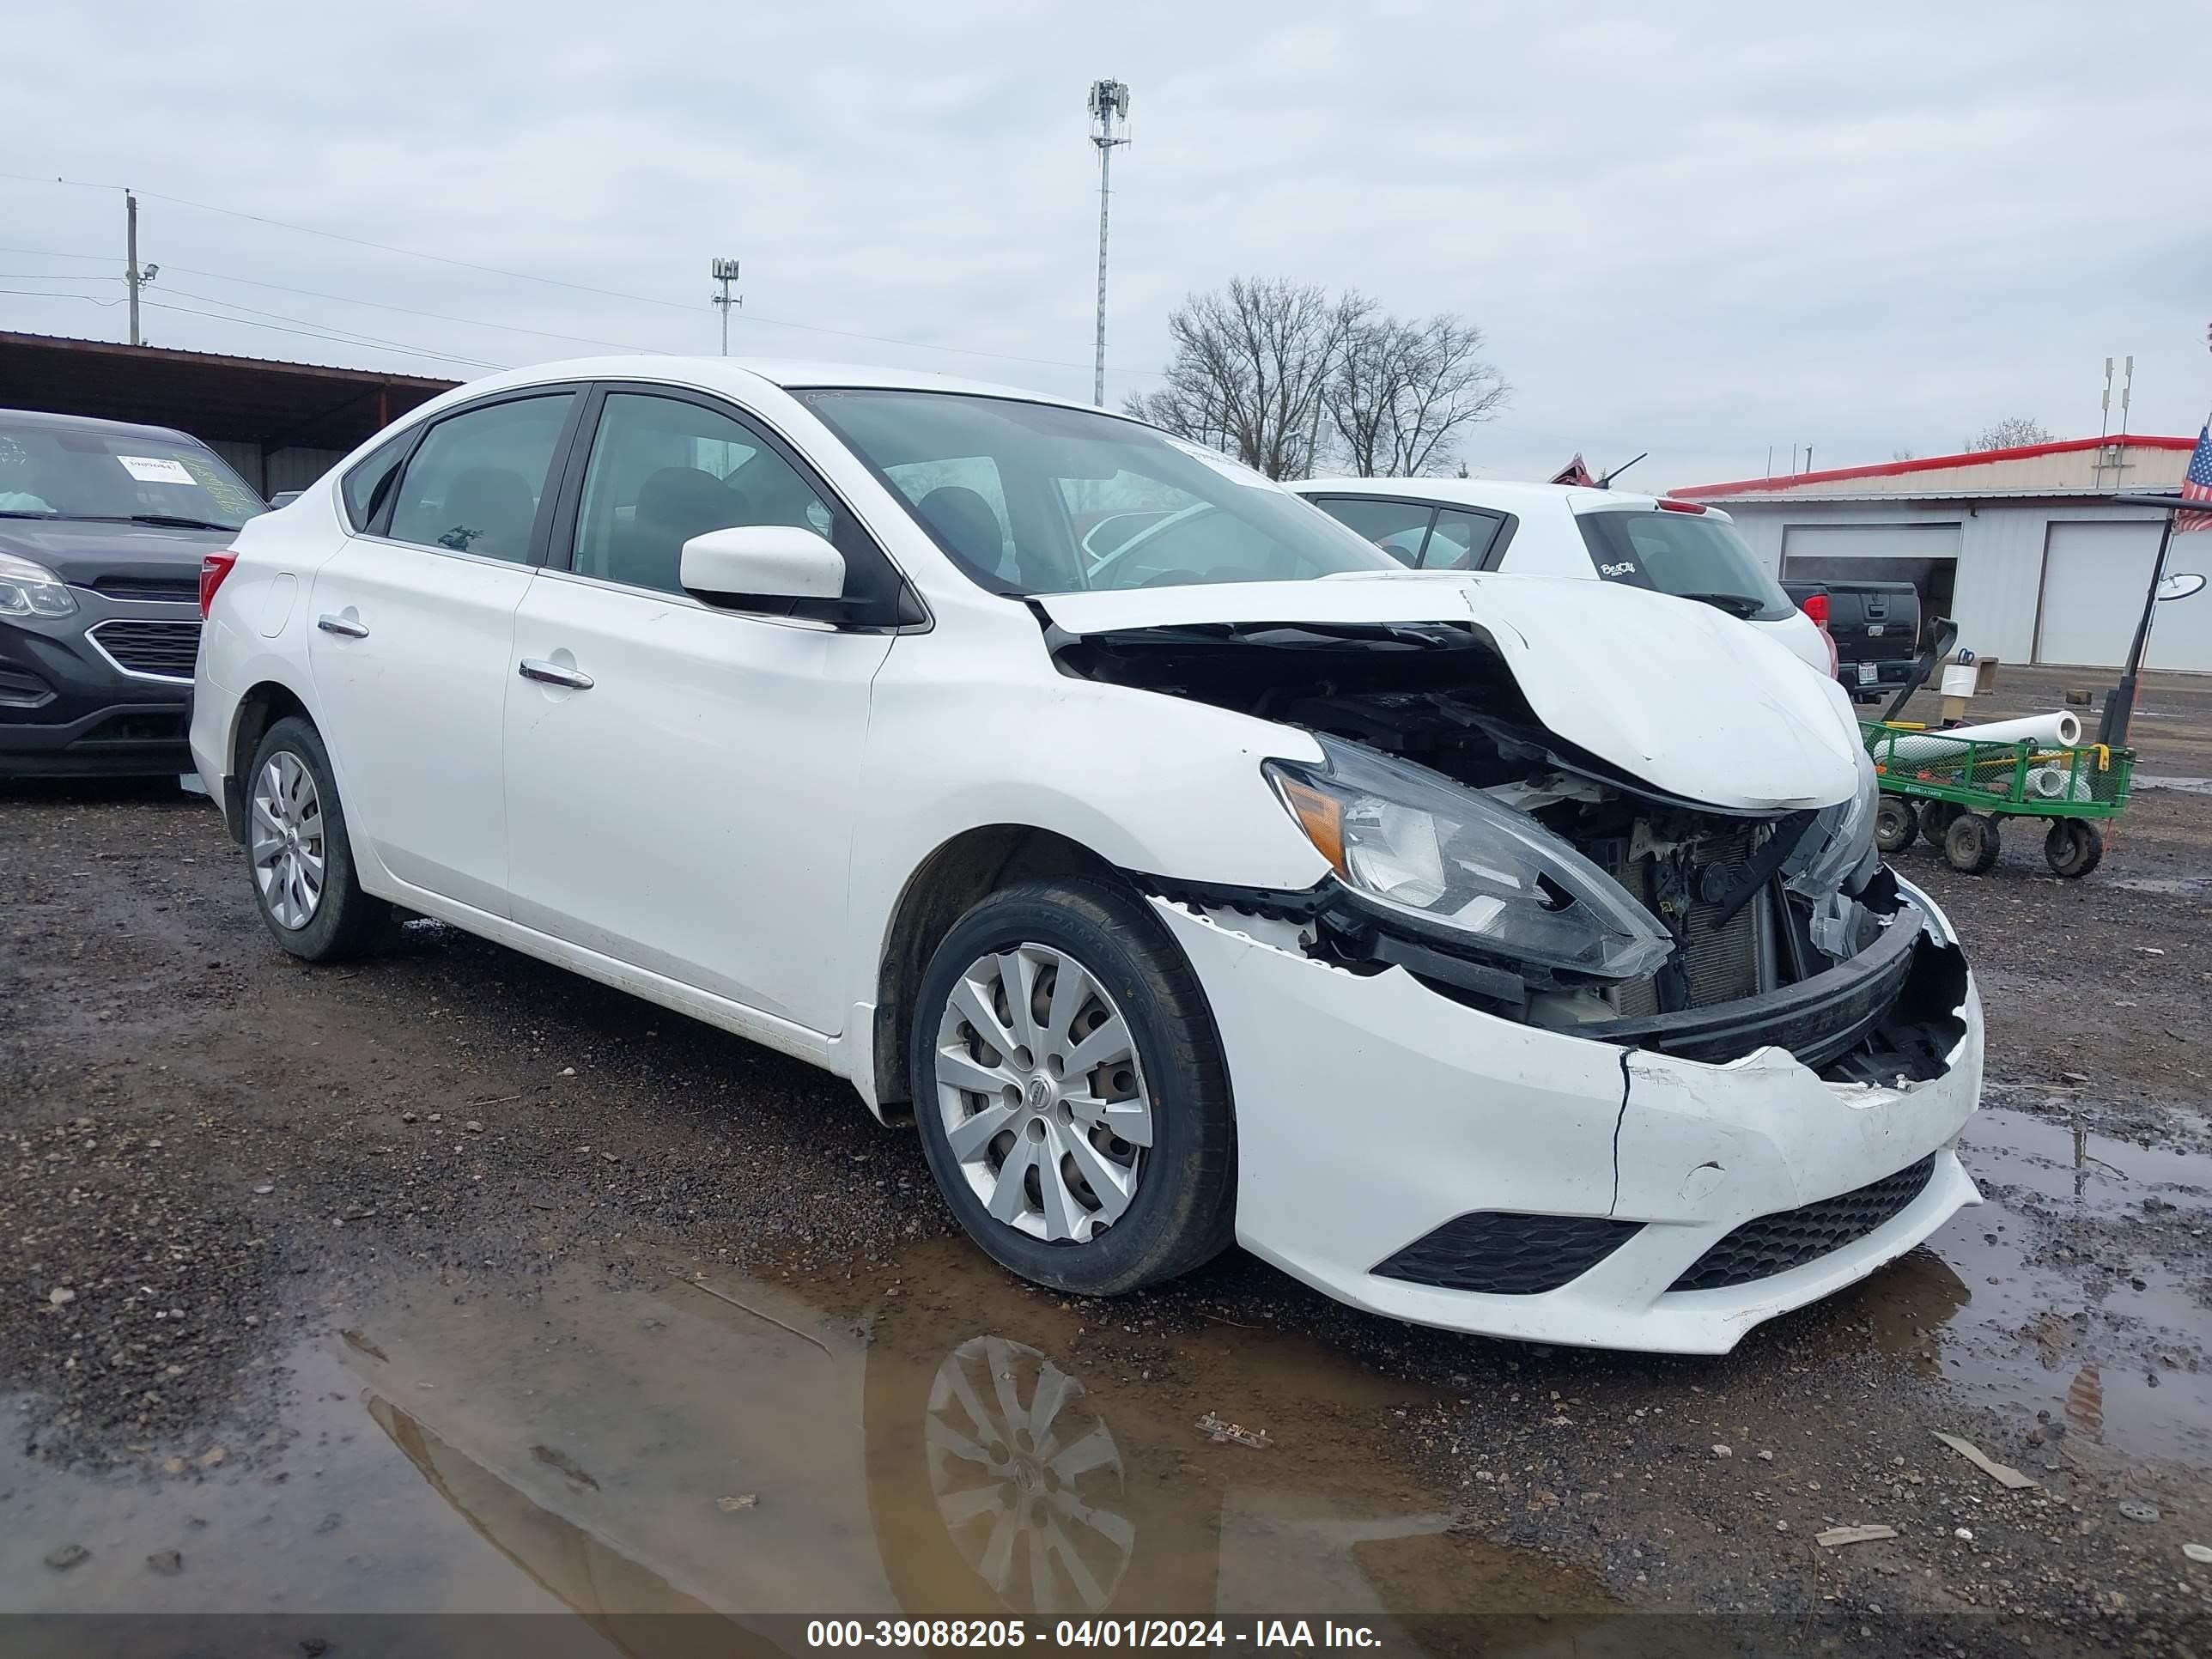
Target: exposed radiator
x,y
1721,964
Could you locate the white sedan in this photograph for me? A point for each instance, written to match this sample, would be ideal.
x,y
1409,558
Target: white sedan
x,y
1507,954
1656,542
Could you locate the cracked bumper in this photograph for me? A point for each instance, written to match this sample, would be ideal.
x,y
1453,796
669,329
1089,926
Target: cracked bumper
x,y
1372,1110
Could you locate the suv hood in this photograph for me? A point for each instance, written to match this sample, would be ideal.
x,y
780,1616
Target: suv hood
x,y
87,552
1672,692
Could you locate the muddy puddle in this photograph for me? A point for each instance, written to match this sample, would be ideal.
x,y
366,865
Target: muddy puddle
x,y
2050,1297
936,1441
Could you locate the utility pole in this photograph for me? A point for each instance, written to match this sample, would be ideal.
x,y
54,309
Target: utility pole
x,y
1109,100
725,272
131,254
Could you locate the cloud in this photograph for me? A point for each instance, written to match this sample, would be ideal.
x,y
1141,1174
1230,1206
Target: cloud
x,y
1701,230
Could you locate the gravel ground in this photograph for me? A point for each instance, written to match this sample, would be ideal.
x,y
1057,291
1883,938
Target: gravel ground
x,y
212,1150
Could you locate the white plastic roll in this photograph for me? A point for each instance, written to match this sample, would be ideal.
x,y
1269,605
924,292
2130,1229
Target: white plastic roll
x,y
2054,783
2061,730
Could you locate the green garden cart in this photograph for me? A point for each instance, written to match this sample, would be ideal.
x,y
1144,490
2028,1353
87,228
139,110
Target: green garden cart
x,y
1956,791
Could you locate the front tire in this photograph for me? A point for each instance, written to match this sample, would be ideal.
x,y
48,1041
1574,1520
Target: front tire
x,y
304,884
2074,847
1970,844
1070,1091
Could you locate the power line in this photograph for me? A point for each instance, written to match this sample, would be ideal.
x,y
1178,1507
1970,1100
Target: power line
x,y
48,293
331,329
556,281
317,334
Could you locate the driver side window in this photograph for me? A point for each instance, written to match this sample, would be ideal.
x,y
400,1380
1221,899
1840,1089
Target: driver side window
x,y
663,469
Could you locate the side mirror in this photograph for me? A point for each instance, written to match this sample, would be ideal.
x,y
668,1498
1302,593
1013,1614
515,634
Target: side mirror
x,y
761,561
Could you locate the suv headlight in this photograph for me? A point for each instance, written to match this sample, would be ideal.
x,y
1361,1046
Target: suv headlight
x,y
32,590
1413,840
1839,851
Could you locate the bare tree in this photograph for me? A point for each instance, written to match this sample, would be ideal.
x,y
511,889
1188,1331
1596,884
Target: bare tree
x,y
1900,454
1403,392
1251,370
2010,434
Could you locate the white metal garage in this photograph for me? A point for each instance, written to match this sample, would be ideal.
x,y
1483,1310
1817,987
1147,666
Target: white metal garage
x,y
2026,549
2095,572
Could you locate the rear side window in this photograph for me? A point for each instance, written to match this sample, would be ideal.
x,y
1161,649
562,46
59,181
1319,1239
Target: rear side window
x,y
365,487
474,483
1689,555
1398,528
1462,540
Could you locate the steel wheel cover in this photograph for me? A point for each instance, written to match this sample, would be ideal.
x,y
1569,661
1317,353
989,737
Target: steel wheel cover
x,y
1019,1473
1041,1093
287,846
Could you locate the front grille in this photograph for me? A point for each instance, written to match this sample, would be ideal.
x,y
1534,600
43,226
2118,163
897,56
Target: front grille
x,y
165,650
1773,1244
1503,1254
182,590
140,726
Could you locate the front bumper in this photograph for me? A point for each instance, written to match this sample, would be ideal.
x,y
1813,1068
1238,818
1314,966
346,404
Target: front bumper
x,y
69,709
1371,1111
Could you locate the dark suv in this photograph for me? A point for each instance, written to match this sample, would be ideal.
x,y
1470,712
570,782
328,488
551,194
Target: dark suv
x,y
102,528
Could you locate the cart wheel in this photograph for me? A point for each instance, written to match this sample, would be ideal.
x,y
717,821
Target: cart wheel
x,y
1970,844
2074,847
1937,817
1894,826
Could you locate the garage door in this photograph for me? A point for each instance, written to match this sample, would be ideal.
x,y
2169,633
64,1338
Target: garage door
x,y
2093,576
1925,555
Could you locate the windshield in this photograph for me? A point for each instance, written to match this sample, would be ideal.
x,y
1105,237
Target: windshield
x,y
83,472
1031,498
1689,555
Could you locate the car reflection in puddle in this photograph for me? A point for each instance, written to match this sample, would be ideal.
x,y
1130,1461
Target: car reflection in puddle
x,y
953,1446
2061,1295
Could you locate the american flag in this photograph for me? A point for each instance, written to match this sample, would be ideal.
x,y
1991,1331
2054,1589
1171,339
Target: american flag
x,y
2196,488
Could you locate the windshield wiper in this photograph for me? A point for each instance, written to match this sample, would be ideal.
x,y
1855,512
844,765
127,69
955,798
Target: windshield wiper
x,y
17,513
179,521
1736,604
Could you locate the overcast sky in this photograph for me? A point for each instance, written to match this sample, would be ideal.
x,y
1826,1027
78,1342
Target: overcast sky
x,y
1701,230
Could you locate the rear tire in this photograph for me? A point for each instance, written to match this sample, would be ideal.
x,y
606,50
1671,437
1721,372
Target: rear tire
x,y
298,855
1972,844
1894,825
1098,1176
2074,847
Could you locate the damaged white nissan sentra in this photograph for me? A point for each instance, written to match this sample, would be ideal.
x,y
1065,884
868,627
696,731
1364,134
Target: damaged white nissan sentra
x,y
1505,953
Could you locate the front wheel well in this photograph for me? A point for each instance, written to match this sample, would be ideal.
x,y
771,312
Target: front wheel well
x,y
951,882
260,709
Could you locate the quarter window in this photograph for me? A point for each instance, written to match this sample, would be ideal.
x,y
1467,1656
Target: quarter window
x,y
474,483
366,487
1460,541
662,471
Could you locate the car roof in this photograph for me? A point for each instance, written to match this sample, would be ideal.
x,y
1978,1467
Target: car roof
x,y
1503,495
53,421
739,375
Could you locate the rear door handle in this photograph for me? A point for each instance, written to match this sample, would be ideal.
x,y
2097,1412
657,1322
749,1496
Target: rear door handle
x,y
345,626
551,673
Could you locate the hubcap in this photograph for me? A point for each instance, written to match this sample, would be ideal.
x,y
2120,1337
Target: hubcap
x,y
287,841
1043,1094
1019,1471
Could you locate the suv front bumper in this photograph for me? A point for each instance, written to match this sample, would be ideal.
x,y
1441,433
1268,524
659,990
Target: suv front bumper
x,y
1372,1111
67,709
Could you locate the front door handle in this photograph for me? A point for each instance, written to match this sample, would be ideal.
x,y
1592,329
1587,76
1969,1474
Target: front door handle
x,y
551,673
345,626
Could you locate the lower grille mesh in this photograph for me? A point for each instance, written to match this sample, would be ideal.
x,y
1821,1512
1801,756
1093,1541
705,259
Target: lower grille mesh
x,y
1772,1244
1503,1254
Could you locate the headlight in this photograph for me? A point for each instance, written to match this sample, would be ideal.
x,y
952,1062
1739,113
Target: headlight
x,y
1839,850
32,590
1414,840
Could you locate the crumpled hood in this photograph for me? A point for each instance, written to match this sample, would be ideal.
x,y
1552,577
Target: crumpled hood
x,y
1692,702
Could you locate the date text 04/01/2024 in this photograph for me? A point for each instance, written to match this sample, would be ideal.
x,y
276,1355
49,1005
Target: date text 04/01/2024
x,y
1087,1633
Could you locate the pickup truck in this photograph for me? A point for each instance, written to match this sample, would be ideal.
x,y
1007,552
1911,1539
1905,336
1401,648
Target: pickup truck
x,y
1876,628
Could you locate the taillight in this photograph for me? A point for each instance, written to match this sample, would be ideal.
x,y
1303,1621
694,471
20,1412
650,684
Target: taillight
x,y
213,567
1816,607
1668,504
